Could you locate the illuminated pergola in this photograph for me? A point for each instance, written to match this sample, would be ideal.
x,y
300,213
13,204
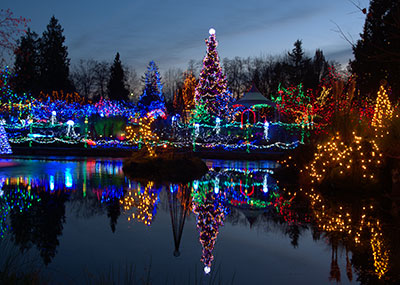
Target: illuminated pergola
x,y
252,98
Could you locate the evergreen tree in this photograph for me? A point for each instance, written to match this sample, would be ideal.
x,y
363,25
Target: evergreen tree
x,y
298,64
296,57
212,87
320,66
152,97
377,53
26,64
54,61
4,144
117,89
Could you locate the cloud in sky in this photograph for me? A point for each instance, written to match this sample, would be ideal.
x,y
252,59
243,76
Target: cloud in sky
x,y
172,32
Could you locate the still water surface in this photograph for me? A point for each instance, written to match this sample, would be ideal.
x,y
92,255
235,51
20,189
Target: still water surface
x,y
81,219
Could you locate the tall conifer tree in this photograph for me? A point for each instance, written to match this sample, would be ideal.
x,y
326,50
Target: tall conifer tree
x,y
54,61
152,97
377,53
117,89
212,88
26,64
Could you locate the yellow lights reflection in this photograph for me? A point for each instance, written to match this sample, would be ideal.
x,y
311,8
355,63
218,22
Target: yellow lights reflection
x,y
358,228
380,254
144,202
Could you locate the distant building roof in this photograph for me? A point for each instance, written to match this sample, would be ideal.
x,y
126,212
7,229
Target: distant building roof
x,y
253,97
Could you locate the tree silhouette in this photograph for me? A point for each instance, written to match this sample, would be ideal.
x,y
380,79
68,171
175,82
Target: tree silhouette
x,y
54,61
298,63
377,53
42,225
26,65
117,89
113,212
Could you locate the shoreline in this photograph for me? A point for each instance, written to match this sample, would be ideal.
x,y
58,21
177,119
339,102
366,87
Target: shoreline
x,y
74,153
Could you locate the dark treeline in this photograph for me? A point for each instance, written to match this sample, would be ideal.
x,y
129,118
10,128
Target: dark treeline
x,y
267,73
42,65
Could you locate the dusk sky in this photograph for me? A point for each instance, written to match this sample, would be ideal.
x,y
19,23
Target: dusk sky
x,y
173,32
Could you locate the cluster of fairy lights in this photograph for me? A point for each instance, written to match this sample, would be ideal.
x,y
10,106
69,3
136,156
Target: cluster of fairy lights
x,y
383,113
16,199
143,201
144,134
335,154
210,217
212,90
383,109
339,220
380,254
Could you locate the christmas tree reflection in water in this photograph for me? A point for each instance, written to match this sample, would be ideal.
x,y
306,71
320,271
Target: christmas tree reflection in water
x,y
252,191
210,211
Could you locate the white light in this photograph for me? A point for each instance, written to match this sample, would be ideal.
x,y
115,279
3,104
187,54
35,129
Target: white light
x,y
70,123
266,127
1,193
207,269
68,178
265,183
216,185
211,31
54,113
51,182
196,185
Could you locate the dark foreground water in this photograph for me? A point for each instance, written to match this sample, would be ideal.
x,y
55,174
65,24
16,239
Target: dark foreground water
x,y
82,221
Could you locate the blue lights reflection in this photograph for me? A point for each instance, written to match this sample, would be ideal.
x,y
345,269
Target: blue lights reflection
x,y
51,182
68,178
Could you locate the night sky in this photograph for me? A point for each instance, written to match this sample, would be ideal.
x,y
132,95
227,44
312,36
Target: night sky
x,y
173,32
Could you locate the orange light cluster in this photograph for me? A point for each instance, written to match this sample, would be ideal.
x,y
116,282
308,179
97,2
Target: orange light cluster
x,y
380,254
144,134
335,154
144,204
383,109
337,219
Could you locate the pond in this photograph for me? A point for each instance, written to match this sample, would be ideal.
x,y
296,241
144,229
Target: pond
x,y
78,220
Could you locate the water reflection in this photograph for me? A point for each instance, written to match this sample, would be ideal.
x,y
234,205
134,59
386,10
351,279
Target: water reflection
x,y
33,210
355,227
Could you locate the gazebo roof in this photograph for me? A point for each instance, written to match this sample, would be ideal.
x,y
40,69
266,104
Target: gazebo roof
x,y
253,97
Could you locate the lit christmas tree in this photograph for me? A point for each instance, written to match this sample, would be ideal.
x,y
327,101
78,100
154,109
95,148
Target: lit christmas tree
x,y
152,97
212,87
383,109
188,91
4,144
